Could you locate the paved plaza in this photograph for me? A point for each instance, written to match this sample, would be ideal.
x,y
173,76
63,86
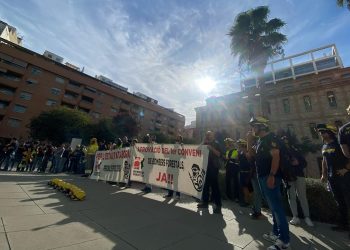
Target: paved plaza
x,y
35,216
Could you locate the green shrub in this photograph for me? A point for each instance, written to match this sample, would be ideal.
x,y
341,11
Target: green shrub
x,y
321,202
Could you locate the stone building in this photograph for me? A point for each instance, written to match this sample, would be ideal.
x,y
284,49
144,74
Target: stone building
x,y
295,94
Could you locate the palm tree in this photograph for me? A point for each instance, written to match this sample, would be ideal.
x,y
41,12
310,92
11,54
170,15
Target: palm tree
x,y
255,39
341,3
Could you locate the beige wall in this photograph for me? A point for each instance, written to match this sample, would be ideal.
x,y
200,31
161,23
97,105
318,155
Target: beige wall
x,y
316,86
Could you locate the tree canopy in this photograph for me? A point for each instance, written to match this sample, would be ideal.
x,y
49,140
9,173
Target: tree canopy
x,y
59,125
255,39
343,3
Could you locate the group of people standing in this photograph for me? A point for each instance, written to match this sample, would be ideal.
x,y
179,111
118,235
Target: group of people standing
x,y
263,162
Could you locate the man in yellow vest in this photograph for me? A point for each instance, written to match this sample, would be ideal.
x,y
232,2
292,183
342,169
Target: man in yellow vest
x,y
232,170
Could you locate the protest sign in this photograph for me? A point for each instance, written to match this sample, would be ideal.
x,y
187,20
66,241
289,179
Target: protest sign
x,y
173,166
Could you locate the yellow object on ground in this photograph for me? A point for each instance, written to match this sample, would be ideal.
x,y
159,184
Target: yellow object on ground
x,y
72,190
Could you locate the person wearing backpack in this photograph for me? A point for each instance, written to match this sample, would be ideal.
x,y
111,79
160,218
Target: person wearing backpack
x,y
336,172
267,162
297,187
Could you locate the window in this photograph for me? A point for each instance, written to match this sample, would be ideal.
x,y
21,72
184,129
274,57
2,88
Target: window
x,y
313,131
84,110
291,129
331,99
12,76
325,80
55,91
7,91
90,90
59,79
307,103
31,82
74,84
87,99
25,96
286,105
3,104
70,95
51,102
19,108
347,75
36,71
13,122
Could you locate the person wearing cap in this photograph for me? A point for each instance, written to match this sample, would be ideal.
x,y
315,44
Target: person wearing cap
x,y
344,136
297,186
257,193
335,171
212,176
232,170
267,161
245,167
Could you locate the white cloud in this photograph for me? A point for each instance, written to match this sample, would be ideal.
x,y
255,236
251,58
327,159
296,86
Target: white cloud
x,y
160,55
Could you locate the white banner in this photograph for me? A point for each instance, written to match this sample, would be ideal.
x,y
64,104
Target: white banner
x,y
112,165
173,166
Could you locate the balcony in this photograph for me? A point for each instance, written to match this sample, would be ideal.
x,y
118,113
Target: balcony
x,y
12,64
10,78
74,86
89,93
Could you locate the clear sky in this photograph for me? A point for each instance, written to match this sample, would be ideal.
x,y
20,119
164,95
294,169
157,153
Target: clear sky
x,y
165,48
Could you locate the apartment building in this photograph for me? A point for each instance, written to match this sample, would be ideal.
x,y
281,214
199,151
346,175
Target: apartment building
x,y
31,83
297,92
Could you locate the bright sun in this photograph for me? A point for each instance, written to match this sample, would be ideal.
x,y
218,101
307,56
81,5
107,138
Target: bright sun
x,y
206,84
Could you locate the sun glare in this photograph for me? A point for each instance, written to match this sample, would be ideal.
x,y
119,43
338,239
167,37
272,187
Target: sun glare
x,y
206,84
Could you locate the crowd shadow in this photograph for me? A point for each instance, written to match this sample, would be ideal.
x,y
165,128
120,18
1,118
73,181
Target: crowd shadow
x,y
134,213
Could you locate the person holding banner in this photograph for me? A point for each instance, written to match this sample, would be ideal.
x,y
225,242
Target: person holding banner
x,y
147,139
90,157
212,176
179,141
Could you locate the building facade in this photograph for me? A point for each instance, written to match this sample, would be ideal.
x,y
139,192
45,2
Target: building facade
x,y
31,83
295,97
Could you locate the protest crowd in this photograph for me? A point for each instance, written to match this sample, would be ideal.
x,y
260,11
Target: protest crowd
x,y
257,166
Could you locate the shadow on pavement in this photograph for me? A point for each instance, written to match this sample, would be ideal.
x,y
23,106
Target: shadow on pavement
x,y
123,218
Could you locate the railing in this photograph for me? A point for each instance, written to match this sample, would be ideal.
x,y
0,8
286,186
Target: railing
x,y
292,70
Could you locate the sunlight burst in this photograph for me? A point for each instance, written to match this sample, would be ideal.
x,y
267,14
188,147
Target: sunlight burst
x,y
206,84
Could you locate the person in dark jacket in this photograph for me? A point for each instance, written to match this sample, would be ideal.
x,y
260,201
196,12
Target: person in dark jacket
x,y
212,176
336,171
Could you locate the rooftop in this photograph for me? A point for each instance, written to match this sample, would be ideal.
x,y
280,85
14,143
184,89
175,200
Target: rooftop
x,y
291,67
